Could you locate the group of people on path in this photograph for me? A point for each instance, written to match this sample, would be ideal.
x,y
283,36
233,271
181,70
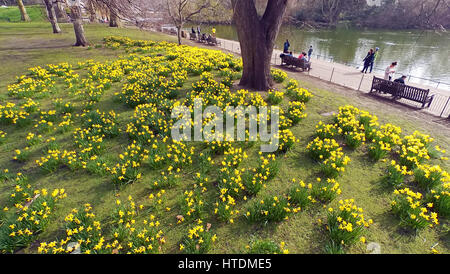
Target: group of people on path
x,y
302,56
203,36
369,61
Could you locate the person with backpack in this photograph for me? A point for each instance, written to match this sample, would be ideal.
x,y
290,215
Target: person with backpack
x,y
374,58
310,51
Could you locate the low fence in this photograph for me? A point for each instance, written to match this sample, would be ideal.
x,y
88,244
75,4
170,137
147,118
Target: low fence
x,y
326,69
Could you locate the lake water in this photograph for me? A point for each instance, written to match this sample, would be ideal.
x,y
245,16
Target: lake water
x,y
421,54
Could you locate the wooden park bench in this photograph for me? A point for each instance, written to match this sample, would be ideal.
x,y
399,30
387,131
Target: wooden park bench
x,y
399,91
212,41
295,62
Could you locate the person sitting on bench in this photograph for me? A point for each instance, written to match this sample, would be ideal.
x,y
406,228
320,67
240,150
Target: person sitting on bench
x,y
401,80
302,56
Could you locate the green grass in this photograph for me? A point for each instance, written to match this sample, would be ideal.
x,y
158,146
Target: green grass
x,y
12,14
31,44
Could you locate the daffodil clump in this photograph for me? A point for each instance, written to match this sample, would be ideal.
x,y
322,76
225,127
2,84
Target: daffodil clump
x,y
192,204
12,114
334,165
320,149
278,75
396,174
325,131
296,111
22,156
85,234
379,149
300,194
198,240
266,247
301,95
2,137
440,198
428,177
286,140
169,178
127,170
63,107
291,85
325,190
414,149
38,83
228,76
30,216
409,206
56,158
346,225
270,209
275,97
224,208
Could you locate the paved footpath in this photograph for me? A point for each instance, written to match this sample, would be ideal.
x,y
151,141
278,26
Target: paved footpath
x,y
352,78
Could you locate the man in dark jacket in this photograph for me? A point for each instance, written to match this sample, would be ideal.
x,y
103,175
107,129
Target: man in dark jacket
x,y
401,80
286,46
368,60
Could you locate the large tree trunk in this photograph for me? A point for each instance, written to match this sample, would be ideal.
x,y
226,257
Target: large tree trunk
x,y
75,14
52,16
257,38
114,21
179,34
60,13
23,11
91,10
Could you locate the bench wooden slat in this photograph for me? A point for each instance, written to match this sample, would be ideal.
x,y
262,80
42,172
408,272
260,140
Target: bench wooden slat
x,y
399,90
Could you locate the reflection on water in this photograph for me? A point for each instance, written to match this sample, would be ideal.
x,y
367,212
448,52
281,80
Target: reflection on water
x,y
423,54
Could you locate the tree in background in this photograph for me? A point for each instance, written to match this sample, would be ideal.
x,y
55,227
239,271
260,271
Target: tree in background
x,y
23,11
257,35
49,4
180,11
77,20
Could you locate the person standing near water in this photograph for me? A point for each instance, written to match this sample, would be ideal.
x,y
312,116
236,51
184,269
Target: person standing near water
x,y
310,51
368,60
375,56
286,46
198,32
390,70
213,32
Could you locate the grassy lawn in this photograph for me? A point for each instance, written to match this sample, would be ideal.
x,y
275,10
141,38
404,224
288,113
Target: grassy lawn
x,y
25,45
12,14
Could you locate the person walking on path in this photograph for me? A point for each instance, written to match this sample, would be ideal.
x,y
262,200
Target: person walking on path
x,y
390,70
213,32
368,60
198,32
286,46
310,51
374,58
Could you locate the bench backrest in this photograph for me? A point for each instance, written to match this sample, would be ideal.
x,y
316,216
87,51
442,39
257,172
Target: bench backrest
x,y
401,90
292,60
415,94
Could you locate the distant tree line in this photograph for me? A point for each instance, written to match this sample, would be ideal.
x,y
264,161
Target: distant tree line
x,y
393,14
